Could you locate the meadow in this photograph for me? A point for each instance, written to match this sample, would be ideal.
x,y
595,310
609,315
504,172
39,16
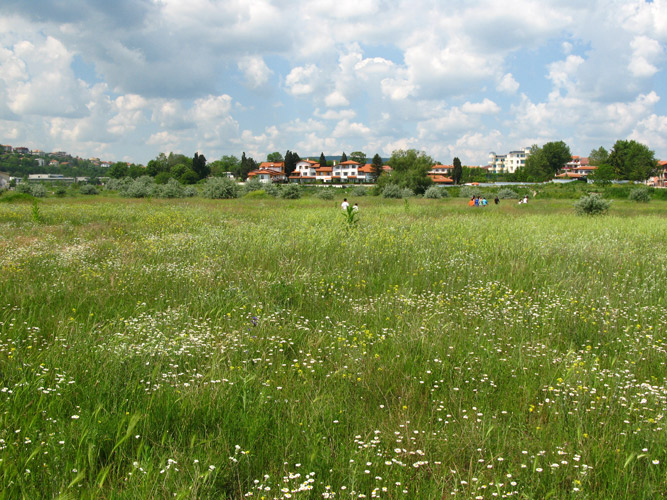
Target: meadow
x,y
265,349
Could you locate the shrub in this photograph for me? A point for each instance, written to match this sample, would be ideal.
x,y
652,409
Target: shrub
x,y
253,185
593,204
172,189
257,194
85,189
507,194
434,193
38,191
141,187
291,192
640,195
118,184
392,191
272,189
220,188
24,188
469,192
407,193
60,191
359,191
325,194
190,191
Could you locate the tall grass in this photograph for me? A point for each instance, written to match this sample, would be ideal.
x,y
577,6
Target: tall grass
x,y
264,348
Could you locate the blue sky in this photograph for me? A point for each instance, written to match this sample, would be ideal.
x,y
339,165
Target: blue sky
x,y
132,78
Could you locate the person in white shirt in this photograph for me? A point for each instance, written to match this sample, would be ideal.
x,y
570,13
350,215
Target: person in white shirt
x,y
345,204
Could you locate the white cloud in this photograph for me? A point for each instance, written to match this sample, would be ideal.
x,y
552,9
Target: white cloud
x,y
302,80
645,51
485,107
255,71
336,99
507,84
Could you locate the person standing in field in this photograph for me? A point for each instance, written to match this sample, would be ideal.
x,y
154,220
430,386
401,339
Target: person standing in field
x,y
497,200
345,204
356,207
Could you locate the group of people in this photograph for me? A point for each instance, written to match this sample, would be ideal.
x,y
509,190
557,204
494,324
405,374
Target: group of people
x,y
476,201
345,205
523,200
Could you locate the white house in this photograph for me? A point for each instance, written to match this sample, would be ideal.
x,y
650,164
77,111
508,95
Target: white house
x,y
509,163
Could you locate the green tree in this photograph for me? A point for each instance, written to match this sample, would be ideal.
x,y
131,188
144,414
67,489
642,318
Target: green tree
x,y
359,157
545,162
291,159
200,167
343,157
323,160
457,171
274,157
410,169
118,170
632,160
377,167
225,164
603,175
598,156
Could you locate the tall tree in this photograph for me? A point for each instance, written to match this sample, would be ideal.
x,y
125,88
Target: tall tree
x,y
343,157
358,156
323,160
410,170
274,157
603,175
632,160
556,154
291,159
377,167
598,156
457,171
118,170
199,166
545,162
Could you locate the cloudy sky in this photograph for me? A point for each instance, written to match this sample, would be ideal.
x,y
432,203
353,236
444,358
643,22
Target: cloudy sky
x,y
128,79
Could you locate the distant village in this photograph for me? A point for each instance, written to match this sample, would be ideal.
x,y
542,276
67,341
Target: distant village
x,y
309,171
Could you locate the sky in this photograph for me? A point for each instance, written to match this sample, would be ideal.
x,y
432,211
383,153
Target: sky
x,y
129,79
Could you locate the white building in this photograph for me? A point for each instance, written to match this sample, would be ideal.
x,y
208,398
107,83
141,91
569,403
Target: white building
x,y
509,163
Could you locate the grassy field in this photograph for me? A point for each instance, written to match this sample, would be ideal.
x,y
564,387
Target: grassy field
x,y
261,348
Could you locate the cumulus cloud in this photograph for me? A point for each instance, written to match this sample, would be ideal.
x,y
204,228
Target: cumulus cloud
x,y
255,71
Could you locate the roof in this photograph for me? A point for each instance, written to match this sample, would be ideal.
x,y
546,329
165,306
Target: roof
x,y
569,175
280,165
324,169
349,162
264,171
441,179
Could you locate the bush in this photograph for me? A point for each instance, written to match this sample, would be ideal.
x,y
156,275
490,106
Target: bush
x,y
291,192
190,191
593,204
220,188
86,189
407,193
469,192
38,191
325,194
507,194
272,190
434,193
24,188
359,191
172,189
640,195
392,191
141,187
256,194
253,185
60,191
118,184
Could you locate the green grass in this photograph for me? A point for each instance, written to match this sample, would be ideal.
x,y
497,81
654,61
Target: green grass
x,y
217,348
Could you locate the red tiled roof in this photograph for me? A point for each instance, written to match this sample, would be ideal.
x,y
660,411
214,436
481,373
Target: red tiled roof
x,y
441,179
349,162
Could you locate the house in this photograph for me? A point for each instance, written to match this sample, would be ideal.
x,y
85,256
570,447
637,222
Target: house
x,y
324,174
6,148
441,170
660,180
50,178
346,171
269,171
304,171
22,150
509,163
53,163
